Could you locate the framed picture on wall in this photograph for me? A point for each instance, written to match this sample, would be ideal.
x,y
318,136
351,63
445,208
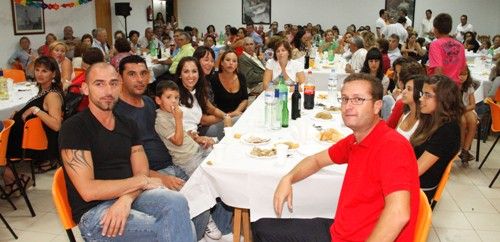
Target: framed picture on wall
x,y
256,11
394,7
27,19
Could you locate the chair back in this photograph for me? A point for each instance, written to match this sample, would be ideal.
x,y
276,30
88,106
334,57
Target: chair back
x,y
34,137
60,198
424,219
442,183
16,75
497,95
495,114
4,138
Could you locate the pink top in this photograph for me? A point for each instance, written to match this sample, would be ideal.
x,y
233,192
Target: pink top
x,y
449,54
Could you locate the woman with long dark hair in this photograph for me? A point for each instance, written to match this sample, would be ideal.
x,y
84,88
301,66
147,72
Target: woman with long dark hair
x,y
437,138
46,105
373,66
408,122
468,122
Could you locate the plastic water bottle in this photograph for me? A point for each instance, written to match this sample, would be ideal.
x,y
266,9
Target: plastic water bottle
x,y
270,106
332,87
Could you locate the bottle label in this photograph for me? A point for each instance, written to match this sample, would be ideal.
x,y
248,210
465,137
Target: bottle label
x,y
309,90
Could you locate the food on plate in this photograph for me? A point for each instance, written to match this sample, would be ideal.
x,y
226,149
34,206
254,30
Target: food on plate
x,y
330,135
324,115
332,109
263,152
237,135
322,96
252,139
210,163
291,145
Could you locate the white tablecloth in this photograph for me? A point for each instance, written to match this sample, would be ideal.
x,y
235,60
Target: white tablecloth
x,y
480,71
245,182
17,99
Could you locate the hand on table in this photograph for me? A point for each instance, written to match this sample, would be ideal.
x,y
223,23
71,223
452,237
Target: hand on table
x,y
283,192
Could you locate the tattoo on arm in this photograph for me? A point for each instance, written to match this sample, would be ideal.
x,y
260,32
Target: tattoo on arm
x,y
137,149
77,159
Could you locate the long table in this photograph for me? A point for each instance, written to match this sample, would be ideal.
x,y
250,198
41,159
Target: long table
x,y
241,181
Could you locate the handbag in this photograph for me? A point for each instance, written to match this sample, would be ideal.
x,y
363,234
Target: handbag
x,y
71,101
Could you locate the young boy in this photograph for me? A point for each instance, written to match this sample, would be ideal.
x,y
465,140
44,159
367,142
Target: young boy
x,y
187,150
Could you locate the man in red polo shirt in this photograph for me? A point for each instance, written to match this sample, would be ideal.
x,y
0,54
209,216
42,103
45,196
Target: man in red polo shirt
x,y
380,194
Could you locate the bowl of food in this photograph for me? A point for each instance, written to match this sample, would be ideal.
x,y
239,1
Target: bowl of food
x,y
262,153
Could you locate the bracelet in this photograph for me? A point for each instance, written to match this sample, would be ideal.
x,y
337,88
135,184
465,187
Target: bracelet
x,y
37,109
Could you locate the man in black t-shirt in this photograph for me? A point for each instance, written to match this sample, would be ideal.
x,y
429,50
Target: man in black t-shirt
x,y
107,173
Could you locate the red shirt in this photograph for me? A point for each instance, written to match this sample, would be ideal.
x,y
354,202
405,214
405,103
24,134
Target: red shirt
x,y
386,63
396,113
76,83
384,162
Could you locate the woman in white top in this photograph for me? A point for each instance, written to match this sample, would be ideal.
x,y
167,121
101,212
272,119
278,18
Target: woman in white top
x,y
411,99
468,122
282,64
193,97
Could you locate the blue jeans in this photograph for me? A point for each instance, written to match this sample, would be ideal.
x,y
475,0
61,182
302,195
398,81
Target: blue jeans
x,y
155,215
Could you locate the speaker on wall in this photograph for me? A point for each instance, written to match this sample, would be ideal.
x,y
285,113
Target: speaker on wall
x,y
122,9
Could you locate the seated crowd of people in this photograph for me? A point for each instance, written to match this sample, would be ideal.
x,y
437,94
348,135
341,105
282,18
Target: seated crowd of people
x,y
162,130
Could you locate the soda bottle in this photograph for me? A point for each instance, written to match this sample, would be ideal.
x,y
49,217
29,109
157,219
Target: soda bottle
x,y
309,90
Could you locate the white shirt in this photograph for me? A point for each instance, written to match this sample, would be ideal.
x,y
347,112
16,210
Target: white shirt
x,y
397,29
408,22
463,29
191,116
496,51
407,134
102,46
292,68
380,23
394,54
426,26
358,59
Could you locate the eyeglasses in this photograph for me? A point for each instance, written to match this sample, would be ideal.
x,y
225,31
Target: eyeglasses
x,y
426,95
354,100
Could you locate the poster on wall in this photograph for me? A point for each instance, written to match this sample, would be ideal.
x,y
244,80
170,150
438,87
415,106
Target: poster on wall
x,y
27,19
256,11
394,7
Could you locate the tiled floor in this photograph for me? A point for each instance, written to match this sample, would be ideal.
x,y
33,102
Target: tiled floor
x,y
468,211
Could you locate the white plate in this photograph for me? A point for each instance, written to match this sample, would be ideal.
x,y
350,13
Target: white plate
x,y
246,139
282,141
261,157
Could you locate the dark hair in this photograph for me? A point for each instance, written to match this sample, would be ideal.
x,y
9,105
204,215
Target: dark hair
x,y
418,84
132,32
465,16
88,36
284,43
377,90
381,12
449,108
244,31
297,42
442,23
135,59
122,45
186,98
383,44
467,83
119,32
409,69
394,36
188,29
201,51
428,11
373,54
233,31
92,55
211,37
400,61
50,34
164,85
221,69
402,20
210,26
404,11
50,64
24,38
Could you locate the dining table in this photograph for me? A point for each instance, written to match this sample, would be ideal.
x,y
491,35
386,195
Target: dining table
x,y
19,94
247,182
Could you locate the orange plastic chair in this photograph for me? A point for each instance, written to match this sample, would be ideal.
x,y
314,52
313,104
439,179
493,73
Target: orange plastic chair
x,y
4,138
60,198
442,183
497,95
34,138
424,219
17,65
16,75
495,127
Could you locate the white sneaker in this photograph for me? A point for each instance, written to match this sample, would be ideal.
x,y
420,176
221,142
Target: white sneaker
x,y
212,231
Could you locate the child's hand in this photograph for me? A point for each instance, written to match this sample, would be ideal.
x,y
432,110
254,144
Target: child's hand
x,y
177,112
206,142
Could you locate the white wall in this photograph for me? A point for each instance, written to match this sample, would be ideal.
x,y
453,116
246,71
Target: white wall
x,y
137,19
483,14
81,18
